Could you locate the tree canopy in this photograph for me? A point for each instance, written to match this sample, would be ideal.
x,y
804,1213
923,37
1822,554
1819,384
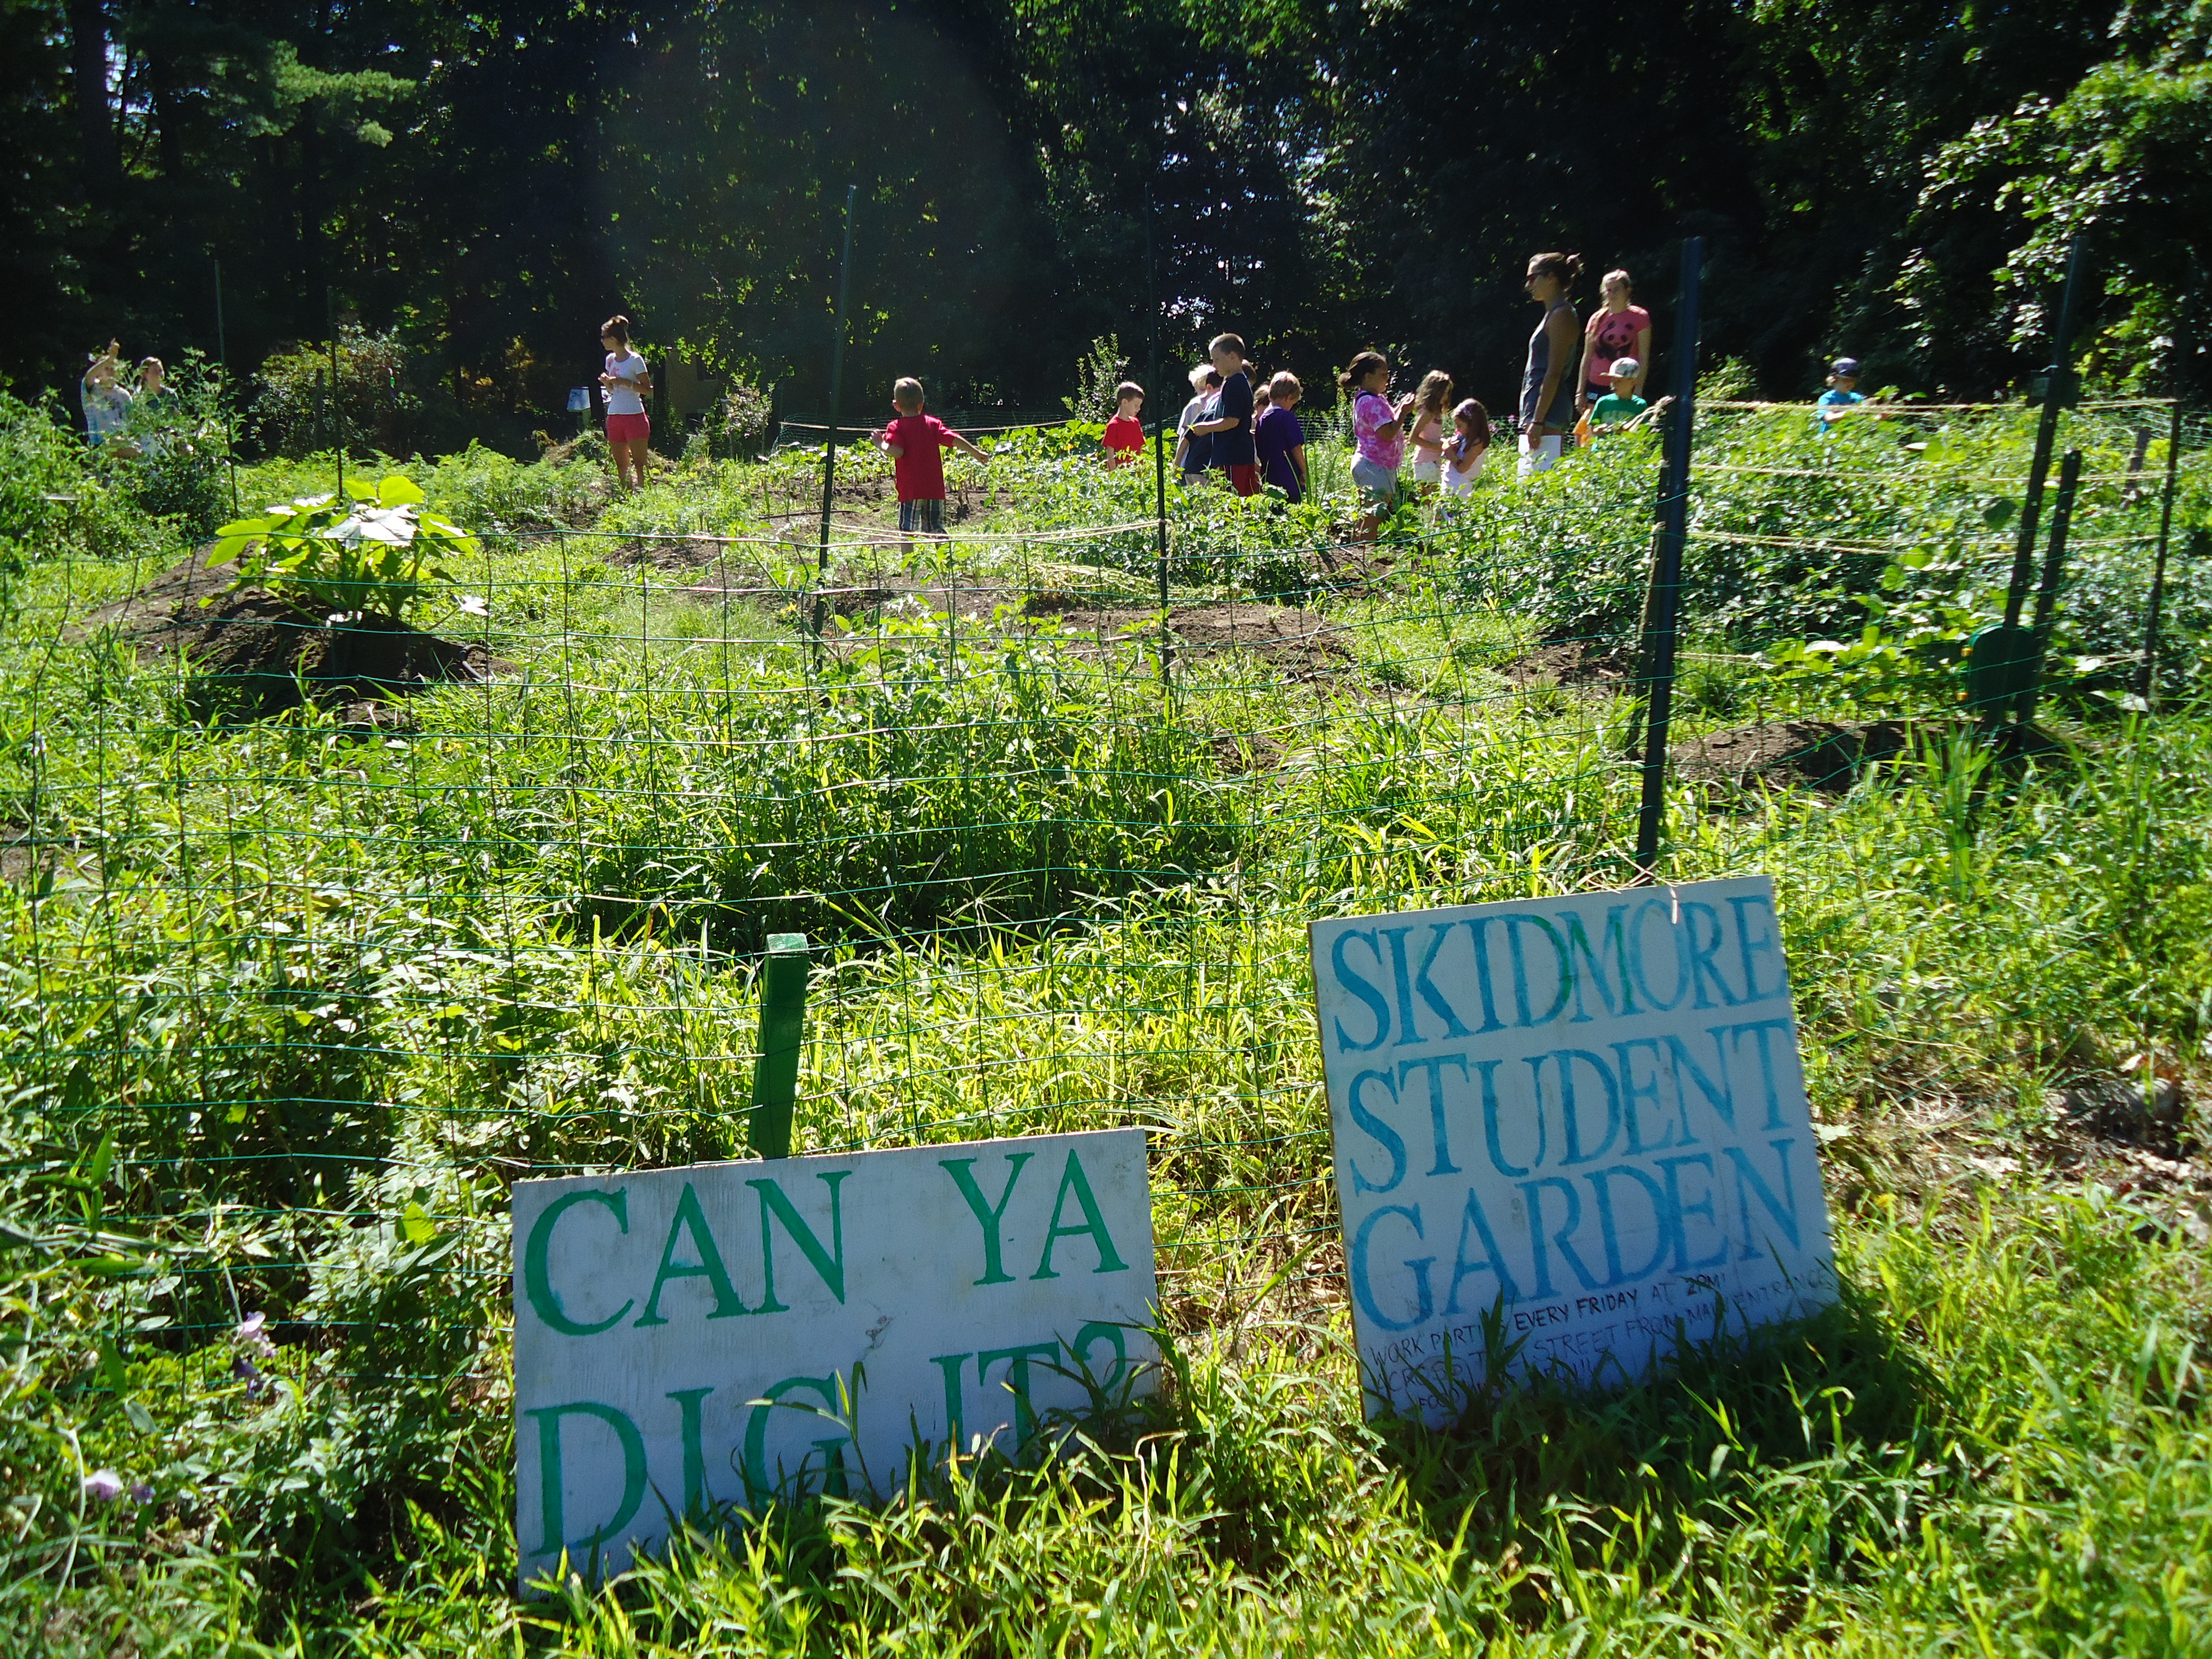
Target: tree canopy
x,y
1896,180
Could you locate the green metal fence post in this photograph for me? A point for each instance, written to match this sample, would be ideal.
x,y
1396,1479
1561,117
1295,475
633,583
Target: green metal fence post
x,y
1162,403
2146,681
816,611
782,1032
2058,391
2046,592
1663,617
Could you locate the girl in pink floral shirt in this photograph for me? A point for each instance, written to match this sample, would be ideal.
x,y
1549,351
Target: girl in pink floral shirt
x,y
1378,431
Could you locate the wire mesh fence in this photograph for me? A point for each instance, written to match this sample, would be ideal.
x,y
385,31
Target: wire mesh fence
x,y
323,930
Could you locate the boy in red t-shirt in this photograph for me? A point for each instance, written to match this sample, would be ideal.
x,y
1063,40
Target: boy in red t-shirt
x,y
915,442
1125,432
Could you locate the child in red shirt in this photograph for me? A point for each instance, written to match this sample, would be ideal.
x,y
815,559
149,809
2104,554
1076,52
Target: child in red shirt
x,y
916,442
1125,432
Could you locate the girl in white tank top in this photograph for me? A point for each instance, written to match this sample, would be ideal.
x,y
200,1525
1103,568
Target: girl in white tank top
x,y
1464,451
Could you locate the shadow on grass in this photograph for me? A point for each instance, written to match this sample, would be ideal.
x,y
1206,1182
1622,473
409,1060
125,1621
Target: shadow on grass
x,y
1687,1438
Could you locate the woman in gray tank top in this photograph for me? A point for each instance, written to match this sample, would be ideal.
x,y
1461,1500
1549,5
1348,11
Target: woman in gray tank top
x,y
1547,384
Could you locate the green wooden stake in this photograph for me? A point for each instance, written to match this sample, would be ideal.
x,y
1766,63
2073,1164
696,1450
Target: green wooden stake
x,y
783,1029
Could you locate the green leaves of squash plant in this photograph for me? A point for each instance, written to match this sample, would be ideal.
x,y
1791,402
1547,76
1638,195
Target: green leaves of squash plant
x,y
372,555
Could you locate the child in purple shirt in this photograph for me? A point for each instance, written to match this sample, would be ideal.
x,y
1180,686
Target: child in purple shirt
x,y
1281,438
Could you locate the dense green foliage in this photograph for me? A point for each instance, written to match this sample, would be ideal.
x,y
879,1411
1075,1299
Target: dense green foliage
x,y
1898,181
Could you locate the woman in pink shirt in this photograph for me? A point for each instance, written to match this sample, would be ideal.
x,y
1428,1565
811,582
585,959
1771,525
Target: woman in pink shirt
x,y
1617,329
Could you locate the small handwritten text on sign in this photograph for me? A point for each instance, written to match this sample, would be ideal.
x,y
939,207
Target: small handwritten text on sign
x,y
1583,1115
731,1334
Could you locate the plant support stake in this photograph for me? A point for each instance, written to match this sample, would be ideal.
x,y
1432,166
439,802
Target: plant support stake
x,y
1159,456
836,394
1667,565
2046,592
2147,677
337,421
782,1032
222,364
2058,392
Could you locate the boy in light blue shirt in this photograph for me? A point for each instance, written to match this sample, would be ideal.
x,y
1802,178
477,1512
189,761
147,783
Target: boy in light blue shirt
x,y
1843,394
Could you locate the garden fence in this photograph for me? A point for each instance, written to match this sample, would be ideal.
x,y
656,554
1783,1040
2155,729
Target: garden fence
x,y
319,937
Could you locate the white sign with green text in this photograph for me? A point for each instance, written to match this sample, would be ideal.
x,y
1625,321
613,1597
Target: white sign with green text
x,y
1581,1120
733,1333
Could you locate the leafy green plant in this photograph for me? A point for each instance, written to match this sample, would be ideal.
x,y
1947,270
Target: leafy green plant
x,y
177,443
1879,672
736,427
370,407
1097,373
372,556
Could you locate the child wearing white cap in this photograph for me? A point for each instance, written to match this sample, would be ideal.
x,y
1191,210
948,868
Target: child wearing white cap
x,y
1621,406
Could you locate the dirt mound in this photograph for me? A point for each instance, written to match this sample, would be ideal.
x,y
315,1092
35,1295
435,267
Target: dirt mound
x,y
1814,754
149,609
1573,662
1294,639
253,652
1239,754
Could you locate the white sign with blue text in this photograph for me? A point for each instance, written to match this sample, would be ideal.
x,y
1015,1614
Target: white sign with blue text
x,y
728,1333
1581,1120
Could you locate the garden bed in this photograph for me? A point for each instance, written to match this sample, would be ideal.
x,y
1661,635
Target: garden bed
x,y
254,651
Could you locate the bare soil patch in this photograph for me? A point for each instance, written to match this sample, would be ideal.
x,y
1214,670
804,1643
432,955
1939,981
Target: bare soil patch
x,y
1573,662
255,651
1811,754
1239,754
2138,1137
25,856
1301,642
863,506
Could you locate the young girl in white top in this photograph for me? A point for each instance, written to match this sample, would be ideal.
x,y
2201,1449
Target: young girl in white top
x,y
106,402
1463,451
1430,399
627,382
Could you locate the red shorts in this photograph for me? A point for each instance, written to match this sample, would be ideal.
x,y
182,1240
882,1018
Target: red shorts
x,y
1245,480
629,428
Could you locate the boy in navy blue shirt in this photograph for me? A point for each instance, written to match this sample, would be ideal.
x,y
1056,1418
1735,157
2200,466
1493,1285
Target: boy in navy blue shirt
x,y
1232,430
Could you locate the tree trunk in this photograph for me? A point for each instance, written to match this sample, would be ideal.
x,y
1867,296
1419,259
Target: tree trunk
x,y
168,118
95,115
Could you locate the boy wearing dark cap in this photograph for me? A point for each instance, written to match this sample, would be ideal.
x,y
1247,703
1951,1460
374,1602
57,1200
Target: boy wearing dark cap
x,y
1843,394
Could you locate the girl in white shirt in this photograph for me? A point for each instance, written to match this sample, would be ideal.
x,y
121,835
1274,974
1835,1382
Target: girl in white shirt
x,y
1464,450
627,382
106,402
1427,432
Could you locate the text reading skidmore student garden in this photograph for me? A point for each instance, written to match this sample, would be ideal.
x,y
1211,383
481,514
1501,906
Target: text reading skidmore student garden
x,y
1584,1115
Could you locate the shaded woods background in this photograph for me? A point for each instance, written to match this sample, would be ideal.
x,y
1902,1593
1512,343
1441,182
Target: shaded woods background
x,y
1896,180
